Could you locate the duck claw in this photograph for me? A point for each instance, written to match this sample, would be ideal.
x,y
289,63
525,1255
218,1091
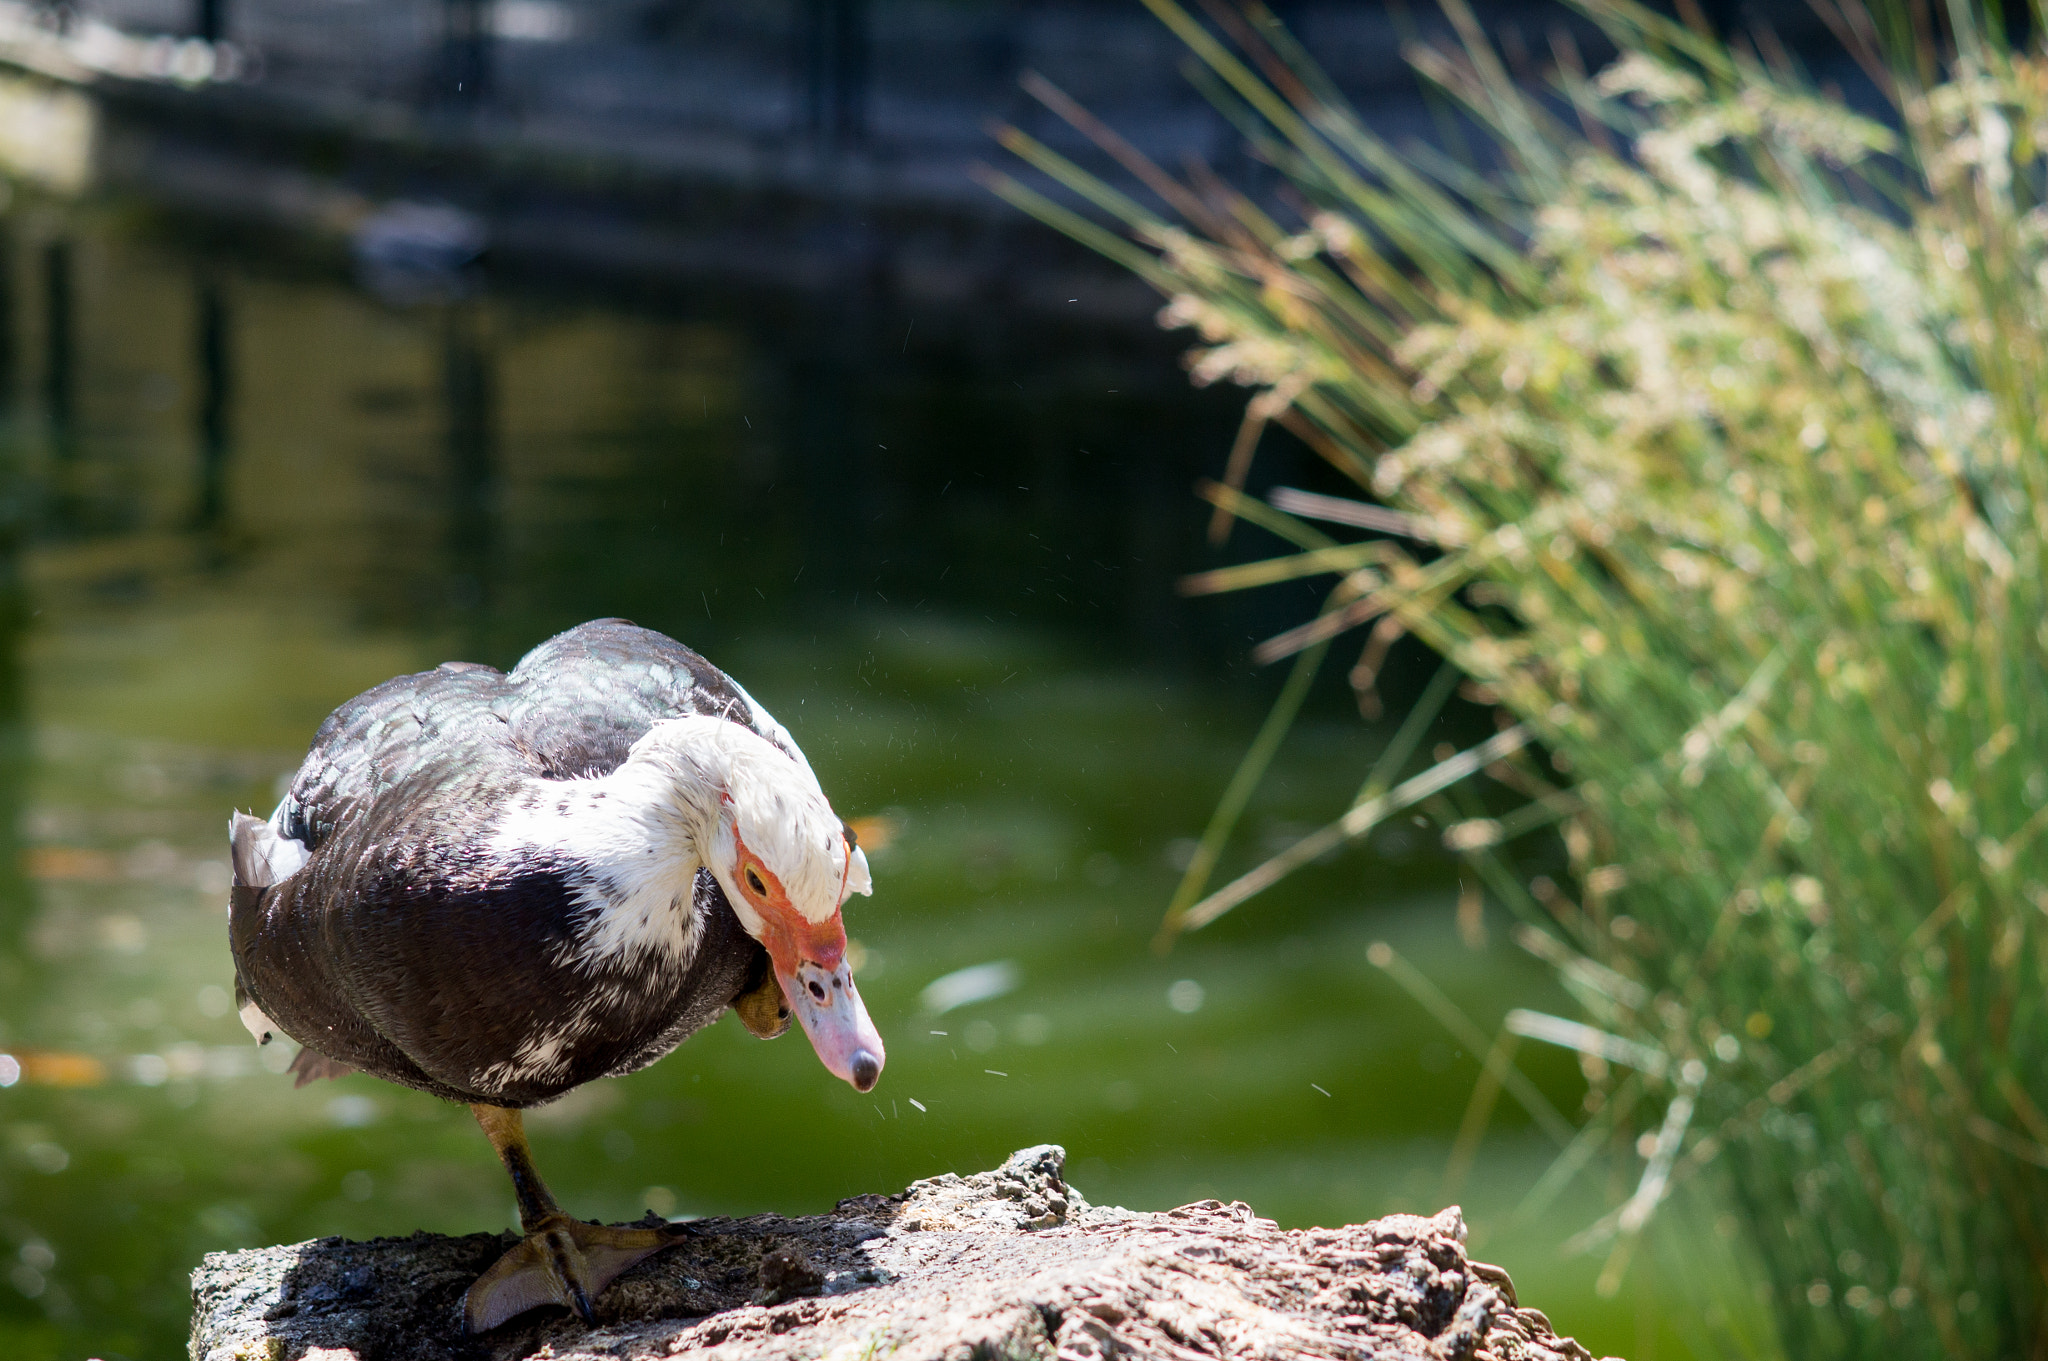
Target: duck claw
x,y
560,1261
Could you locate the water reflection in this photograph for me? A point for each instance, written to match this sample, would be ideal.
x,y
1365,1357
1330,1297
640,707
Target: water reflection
x,y
832,42
215,394
469,397
16,904
15,503
60,405
940,549
463,76
10,323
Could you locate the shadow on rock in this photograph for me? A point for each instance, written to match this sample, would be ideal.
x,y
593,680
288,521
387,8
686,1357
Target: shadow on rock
x,y
400,1299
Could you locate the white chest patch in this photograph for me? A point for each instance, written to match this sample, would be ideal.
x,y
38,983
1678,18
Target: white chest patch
x,y
632,867
652,920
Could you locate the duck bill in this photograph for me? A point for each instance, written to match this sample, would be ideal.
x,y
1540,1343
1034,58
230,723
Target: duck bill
x,y
810,964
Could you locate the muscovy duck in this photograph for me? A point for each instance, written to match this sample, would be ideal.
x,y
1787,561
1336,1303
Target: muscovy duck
x,y
496,887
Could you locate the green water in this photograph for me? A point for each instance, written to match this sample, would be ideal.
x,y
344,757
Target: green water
x,y
238,490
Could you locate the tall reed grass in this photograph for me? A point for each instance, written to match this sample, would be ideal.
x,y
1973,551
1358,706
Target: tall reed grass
x,y
1707,434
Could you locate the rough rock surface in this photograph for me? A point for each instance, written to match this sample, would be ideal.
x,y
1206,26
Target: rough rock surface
x,y
1010,1263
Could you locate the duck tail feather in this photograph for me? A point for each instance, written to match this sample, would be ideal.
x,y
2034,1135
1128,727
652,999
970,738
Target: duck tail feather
x,y
311,1066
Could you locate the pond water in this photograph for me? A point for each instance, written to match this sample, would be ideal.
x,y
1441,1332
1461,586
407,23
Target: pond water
x,y
941,548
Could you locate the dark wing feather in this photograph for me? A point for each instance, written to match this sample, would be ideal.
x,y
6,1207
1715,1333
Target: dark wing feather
x,y
453,717
583,698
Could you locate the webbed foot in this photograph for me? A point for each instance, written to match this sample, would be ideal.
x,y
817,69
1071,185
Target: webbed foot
x,y
560,1261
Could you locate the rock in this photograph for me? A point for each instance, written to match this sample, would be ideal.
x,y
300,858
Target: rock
x,y
1009,1263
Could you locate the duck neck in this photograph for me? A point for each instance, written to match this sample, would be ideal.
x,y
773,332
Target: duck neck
x,y
630,844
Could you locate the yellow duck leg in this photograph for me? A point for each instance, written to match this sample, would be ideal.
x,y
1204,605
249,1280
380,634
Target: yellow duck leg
x,y
561,1260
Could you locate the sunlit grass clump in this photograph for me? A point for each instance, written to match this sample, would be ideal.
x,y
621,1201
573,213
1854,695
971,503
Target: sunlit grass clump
x,y
1716,425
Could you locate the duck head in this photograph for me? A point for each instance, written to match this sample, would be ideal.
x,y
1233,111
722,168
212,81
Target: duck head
x,y
787,863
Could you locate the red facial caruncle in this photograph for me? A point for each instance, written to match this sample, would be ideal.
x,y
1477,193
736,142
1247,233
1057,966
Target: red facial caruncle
x,y
809,958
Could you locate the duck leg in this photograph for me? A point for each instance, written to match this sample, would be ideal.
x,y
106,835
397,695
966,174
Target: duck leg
x,y
561,1260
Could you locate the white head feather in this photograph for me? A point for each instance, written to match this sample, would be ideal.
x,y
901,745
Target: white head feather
x,y
767,800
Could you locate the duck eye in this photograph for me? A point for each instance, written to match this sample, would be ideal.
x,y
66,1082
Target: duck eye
x,y
755,882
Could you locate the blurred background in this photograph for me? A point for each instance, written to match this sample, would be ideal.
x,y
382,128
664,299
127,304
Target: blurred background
x,y
342,337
